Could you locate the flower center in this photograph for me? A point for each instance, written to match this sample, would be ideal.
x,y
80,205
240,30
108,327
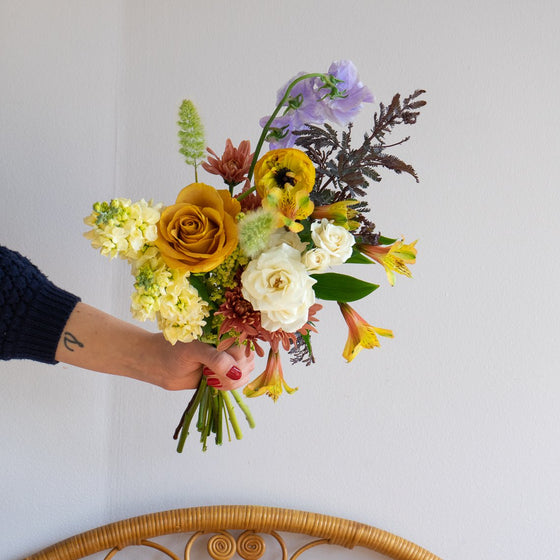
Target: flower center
x,y
242,307
285,175
278,281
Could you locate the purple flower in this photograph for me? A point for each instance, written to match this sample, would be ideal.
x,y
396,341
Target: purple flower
x,y
280,133
343,109
302,107
303,100
315,101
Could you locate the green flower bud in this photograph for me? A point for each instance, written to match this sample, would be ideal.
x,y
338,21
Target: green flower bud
x,y
191,134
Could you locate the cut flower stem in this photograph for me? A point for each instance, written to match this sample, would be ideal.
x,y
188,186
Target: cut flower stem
x,y
266,127
212,407
188,416
244,408
232,417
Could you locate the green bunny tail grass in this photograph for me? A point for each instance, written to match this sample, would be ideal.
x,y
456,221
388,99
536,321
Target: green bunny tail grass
x,y
191,135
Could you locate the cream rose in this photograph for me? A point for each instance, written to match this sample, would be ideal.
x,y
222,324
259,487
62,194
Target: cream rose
x,y
277,285
281,235
316,260
335,240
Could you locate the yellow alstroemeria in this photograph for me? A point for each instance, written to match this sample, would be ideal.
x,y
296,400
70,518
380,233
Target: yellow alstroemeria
x,y
394,258
271,381
340,213
283,179
360,333
290,204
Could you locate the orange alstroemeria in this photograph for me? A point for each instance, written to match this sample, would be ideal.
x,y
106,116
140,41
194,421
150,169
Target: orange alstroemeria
x,y
360,333
394,258
271,381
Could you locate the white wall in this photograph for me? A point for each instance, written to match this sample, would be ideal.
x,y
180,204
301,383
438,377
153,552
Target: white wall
x,y
449,434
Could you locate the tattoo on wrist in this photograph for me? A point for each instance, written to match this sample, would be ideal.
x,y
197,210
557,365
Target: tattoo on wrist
x,y
70,340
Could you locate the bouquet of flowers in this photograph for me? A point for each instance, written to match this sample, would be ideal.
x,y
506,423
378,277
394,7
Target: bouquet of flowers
x,y
248,263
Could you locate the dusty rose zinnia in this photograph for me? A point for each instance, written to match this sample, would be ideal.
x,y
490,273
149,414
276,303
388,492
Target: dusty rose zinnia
x,y
233,166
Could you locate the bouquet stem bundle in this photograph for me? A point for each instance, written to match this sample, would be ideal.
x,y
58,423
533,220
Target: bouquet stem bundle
x,y
213,408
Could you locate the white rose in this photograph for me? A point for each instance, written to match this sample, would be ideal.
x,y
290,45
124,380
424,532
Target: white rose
x,y
277,285
316,260
281,235
335,240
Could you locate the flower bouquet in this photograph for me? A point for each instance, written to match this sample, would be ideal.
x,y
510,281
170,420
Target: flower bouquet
x,y
248,263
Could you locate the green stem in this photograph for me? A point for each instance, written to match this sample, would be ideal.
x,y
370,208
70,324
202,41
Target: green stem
x,y
269,123
232,417
225,413
202,410
189,413
244,408
207,422
218,404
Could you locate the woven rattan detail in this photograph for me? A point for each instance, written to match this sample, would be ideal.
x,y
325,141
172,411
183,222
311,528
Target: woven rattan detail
x,y
219,521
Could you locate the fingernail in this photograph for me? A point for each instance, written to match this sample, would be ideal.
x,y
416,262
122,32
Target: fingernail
x,y
234,373
213,382
207,371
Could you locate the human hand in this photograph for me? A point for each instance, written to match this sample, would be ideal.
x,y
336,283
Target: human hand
x,y
236,376
185,362
95,340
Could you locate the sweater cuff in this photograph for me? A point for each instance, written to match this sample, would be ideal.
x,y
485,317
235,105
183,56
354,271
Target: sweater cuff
x,y
40,338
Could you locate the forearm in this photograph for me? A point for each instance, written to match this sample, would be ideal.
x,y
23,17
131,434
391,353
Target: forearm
x,y
97,341
39,321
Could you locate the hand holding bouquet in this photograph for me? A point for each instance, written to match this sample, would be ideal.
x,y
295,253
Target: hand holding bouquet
x,y
247,264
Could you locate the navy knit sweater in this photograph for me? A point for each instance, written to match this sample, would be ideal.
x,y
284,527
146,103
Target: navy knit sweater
x,y
33,311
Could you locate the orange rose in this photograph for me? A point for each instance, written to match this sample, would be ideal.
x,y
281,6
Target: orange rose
x,y
198,232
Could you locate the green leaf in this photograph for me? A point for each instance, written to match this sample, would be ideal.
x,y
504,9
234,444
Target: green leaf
x,y
307,339
341,287
305,233
358,258
198,282
386,240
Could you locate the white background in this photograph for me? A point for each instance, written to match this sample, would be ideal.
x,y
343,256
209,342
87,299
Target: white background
x,y
447,435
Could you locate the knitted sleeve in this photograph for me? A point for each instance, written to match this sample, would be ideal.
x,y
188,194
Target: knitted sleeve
x,y
33,311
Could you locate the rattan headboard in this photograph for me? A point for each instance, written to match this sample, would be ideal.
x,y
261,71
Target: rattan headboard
x,y
219,521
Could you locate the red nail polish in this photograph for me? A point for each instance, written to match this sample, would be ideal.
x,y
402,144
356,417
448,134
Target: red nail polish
x,y
234,373
213,382
207,371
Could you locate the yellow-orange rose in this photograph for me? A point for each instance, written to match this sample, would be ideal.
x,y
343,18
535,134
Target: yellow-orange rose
x,y
198,232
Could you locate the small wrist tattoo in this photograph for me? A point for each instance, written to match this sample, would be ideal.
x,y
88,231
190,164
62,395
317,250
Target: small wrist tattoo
x,y
70,340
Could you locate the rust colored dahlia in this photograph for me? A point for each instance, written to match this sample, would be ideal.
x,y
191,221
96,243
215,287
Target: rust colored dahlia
x,y
234,164
241,318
